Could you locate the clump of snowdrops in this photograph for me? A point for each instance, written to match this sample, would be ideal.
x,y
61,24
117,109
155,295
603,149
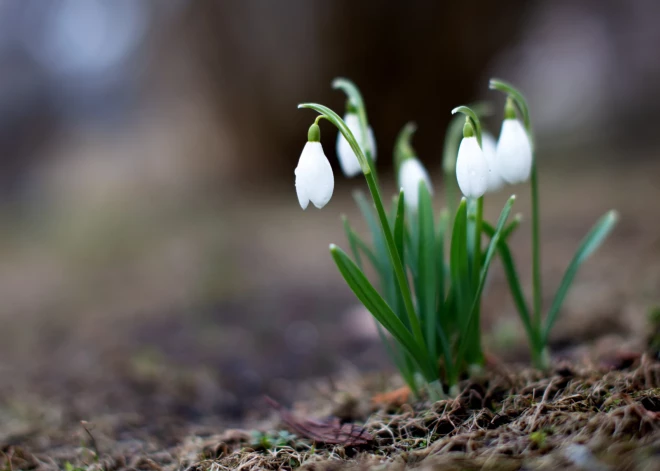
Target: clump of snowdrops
x,y
431,266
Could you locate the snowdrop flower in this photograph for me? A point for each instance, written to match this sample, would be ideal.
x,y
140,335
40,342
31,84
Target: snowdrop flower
x,y
411,174
489,147
514,151
471,165
347,159
314,179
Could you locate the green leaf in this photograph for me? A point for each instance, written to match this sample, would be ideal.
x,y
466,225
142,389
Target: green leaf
x,y
440,266
377,306
399,235
367,210
492,247
458,264
426,278
514,282
399,226
589,244
352,242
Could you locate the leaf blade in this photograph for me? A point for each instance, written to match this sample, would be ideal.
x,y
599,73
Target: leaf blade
x,y
588,246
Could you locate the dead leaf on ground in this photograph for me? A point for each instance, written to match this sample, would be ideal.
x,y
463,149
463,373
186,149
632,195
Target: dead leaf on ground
x,y
331,432
395,398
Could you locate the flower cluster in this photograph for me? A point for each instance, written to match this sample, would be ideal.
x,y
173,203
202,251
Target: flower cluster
x,y
482,165
428,303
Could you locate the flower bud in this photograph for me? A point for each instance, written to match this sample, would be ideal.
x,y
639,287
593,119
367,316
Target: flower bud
x,y
471,165
315,181
348,161
411,174
514,150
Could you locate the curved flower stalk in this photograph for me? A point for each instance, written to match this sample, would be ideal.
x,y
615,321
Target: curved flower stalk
x,y
315,181
355,105
514,150
347,159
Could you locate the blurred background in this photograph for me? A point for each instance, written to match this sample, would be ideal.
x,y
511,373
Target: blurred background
x,y
153,254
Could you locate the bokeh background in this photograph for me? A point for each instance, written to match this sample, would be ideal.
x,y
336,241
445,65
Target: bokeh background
x,y
153,254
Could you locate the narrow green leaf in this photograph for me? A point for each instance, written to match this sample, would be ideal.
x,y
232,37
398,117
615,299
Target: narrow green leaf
x,y
399,235
458,264
399,226
440,266
351,236
492,247
368,296
384,266
589,244
399,357
426,278
514,282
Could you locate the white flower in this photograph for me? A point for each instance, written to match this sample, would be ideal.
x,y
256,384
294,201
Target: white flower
x,y
314,178
347,159
489,147
411,173
514,152
471,168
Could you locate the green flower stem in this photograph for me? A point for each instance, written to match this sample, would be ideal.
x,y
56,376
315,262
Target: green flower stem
x,y
478,223
536,246
537,286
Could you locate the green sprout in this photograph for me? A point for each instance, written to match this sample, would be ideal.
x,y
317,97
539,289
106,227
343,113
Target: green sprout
x,y
271,440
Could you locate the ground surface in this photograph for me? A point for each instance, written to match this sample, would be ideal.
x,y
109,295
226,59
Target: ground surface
x,y
161,381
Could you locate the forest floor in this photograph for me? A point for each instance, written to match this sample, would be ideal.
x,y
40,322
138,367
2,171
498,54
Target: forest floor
x,y
177,384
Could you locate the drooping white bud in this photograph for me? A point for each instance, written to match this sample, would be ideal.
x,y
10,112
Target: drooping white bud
x,y
514,151
489,148
314,179
471,165
411,173
347,159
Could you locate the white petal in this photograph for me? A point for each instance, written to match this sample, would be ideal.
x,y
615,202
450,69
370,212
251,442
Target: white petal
x,y
471,168
348,161
314,179
489,147
411,173
514,152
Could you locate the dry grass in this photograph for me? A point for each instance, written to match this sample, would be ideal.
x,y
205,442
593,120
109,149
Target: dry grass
x,y
577,418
